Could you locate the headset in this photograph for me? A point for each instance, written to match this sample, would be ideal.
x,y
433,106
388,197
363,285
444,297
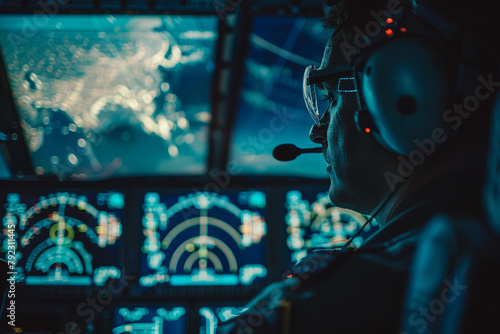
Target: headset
x,y
409,74
406,77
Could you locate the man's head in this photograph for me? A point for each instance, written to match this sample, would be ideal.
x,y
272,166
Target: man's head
x,y
359,164
356,162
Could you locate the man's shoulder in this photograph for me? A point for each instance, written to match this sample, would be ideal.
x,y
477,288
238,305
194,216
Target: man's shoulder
x,y
322,289
331,287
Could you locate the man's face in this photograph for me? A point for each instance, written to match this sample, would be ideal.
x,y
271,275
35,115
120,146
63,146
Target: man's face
x,y
356,162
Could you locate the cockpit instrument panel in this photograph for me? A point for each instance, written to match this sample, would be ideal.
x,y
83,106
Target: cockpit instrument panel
x,y
203,238
63,238
312,222
150,320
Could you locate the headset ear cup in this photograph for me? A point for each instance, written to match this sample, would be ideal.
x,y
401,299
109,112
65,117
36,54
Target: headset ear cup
x,y
364,121
405,87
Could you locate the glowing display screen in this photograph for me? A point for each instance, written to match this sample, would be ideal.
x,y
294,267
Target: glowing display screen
x,y
271,109
312,221
211,316
149,320
63,238
203,239
112,95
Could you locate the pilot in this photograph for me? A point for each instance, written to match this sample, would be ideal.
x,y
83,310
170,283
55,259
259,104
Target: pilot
x,y
410,87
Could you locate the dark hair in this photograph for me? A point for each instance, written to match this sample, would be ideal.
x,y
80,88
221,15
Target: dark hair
x,y
349,11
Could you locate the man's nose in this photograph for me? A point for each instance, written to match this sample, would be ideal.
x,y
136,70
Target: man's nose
x,y
318,133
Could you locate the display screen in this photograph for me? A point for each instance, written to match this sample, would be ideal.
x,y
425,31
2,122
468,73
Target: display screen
x,y
312,221
112,95
211,316
149,320
203,238
63,238
271,110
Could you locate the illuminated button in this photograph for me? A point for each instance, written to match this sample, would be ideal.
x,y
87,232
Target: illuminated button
x,y
116,201
190,248
203,252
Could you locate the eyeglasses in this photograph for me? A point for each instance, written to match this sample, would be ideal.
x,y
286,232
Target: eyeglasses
x,y
338,78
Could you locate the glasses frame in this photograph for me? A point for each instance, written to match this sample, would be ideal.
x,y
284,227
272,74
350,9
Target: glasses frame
x,y
313,76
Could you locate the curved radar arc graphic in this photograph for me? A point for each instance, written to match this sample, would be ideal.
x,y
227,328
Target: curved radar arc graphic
x,y
191,260
195,222
50,262
59,255
69,221
203,236
357,217
233,265
60,199
208,201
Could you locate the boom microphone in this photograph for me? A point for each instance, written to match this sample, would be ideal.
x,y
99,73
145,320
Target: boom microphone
x,y
287,152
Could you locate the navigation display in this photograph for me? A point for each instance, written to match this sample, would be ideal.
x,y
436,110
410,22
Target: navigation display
x,y
203,238
312,221
62,238
150,320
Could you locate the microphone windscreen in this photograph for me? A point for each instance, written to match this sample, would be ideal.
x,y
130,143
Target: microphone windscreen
x,y
286,152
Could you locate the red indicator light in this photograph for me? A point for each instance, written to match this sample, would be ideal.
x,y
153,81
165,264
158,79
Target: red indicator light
x,y
367,130
389,32
389,20
289,276
403,29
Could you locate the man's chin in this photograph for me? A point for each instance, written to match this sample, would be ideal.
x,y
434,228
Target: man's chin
x,y
337,197
342,199
338,194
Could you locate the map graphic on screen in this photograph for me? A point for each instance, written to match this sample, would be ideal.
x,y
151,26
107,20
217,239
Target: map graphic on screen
x,y
94,92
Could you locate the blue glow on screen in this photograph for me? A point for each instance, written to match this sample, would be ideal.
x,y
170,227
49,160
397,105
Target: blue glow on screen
x,y
112,95
203,238
271,109
4,169
149,320
312,222
62,238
